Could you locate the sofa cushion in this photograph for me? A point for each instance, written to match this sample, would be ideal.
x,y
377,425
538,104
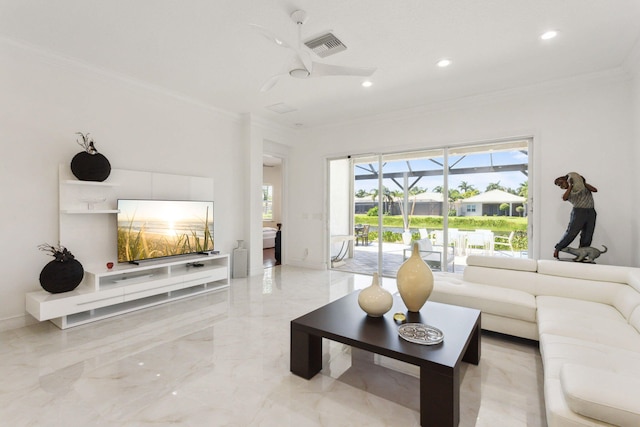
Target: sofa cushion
x,y
634,319
601,394
558,412
520,264
486,298
580,270
524,281
634,278
626,300
556,350
586,320
577,289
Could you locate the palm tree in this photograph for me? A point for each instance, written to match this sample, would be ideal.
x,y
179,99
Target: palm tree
x,y
361,193
454,195
523,189
470,193
437,189
388,197
465,187
417,190
494,186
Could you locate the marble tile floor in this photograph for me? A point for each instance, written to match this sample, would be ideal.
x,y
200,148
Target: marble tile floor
x,y
222,359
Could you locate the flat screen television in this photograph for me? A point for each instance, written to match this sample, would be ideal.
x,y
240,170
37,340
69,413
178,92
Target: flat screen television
x,y
150,229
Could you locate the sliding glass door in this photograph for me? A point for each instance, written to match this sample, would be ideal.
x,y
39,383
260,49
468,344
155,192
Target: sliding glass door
x,y
364,205
412,188
452,201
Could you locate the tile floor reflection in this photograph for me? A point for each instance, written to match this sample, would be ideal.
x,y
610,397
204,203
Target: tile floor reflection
x,y
223,360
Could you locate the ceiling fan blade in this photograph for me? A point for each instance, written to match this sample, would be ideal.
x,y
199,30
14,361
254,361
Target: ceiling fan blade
x,y
319,69
270,83
278,41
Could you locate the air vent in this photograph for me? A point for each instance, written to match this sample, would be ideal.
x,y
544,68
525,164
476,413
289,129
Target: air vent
x,y
281,108
325,45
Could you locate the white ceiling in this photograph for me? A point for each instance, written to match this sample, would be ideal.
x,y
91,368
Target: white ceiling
x,y
206,50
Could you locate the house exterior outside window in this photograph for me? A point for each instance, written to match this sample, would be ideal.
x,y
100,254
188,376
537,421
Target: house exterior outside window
x,y
267,202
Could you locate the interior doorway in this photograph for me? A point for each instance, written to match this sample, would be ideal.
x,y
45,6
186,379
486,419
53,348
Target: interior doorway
x,y
272,183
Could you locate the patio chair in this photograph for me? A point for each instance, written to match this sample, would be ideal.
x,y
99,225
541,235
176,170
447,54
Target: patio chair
x,y
432,257
362,234
438,237
423,233
505,241
475,240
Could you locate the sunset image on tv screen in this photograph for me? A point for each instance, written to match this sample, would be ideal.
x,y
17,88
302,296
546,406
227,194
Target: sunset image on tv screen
x,y
150,229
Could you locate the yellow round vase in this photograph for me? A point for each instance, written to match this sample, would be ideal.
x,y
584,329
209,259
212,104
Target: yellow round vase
x,y
415,281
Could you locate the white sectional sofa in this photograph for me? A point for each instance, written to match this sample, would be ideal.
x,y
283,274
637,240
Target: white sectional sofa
x,y
586,318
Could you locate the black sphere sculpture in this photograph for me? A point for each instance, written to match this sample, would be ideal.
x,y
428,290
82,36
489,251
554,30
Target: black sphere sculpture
x,y
63,274
89,165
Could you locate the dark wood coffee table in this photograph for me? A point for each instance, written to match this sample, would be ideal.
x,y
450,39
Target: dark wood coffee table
x,y
343,321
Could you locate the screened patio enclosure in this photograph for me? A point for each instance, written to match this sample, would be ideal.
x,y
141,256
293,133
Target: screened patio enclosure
x,y
448,196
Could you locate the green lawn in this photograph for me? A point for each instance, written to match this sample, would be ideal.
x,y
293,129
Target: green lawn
x,y
493,223
500,225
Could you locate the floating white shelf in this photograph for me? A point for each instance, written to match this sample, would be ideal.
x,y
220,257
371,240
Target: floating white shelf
x,y
89,211
90,183
85,197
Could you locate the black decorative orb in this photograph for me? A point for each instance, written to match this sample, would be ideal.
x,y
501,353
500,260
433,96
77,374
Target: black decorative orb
x,y
57,277
90,167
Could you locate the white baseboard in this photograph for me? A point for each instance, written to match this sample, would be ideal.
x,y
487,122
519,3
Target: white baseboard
x,y
307,264
16,322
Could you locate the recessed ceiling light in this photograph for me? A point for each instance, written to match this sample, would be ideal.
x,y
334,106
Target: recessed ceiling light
x,y
367,83
444,62
548,35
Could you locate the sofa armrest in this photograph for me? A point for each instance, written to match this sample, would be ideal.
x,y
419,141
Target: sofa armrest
x,y
601,394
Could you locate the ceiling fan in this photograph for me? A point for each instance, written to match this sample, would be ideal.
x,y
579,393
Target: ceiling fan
x,y
301,66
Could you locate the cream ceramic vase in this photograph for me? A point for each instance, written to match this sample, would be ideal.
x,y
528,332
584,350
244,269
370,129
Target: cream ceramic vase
x,y
374,299
415,281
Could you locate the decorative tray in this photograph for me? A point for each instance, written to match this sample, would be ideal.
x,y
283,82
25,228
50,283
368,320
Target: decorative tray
x,y
420,333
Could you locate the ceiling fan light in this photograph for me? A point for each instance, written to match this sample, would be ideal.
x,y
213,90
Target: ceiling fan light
x,y
548,35
444,62
299,73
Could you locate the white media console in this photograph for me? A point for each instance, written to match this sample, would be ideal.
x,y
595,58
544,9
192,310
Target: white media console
x,y
105,293
88,208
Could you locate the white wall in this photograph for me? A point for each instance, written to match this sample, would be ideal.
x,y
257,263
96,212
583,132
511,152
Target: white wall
x,y
45,100
633,65
584,124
